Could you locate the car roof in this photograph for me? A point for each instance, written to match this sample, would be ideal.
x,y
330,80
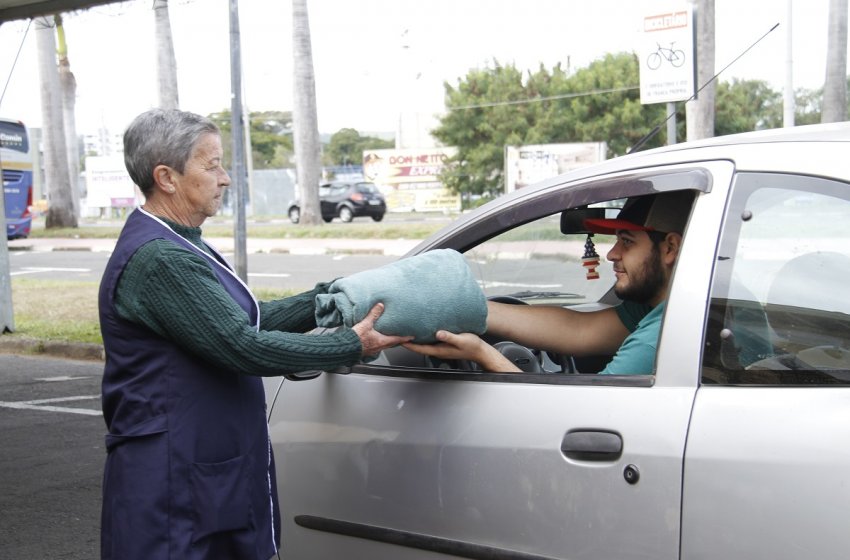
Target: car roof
x,y
744,148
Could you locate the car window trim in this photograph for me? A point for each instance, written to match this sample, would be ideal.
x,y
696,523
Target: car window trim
x,y
408,539
437,374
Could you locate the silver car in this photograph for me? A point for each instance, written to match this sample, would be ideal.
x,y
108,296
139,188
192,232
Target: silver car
x,y
736,447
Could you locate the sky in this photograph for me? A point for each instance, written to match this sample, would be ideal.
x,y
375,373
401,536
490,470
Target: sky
x,y
374,59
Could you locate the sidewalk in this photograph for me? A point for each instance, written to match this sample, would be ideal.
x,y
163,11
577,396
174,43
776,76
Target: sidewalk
x,y
299,246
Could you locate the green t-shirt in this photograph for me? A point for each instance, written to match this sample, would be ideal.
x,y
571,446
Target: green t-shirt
x,y
636,355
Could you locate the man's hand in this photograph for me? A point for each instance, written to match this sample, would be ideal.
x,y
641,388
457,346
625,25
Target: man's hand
x,y
372,341
465,346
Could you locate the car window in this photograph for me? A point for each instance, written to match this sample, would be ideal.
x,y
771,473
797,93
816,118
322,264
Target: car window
x,y
334,190
366,188
777,312
538,264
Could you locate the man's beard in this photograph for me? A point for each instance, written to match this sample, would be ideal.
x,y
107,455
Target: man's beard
x,y
645,282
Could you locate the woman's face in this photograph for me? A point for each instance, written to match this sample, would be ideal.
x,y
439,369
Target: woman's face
x,y
202,183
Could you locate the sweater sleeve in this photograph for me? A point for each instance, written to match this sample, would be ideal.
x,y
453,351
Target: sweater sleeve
x,y
296,313
175,293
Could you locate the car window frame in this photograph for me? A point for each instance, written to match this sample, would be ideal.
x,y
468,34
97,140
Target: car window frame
x,y
744,185
698,176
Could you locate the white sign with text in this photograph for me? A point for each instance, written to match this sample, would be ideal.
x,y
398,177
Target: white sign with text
x,y
667,55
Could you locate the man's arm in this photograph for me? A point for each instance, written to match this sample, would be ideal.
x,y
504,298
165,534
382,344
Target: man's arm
x,y
557,329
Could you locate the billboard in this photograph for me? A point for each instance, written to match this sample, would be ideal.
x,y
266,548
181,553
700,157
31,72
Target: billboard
x,y
409,178
526,165
108,185
667,55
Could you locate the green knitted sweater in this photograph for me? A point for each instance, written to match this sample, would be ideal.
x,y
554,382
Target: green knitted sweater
x,y
175,293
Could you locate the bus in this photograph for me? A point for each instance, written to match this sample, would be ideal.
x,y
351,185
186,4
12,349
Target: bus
x,y
16,161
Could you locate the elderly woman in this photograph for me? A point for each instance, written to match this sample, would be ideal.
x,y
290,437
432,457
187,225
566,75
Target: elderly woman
x,y
189,471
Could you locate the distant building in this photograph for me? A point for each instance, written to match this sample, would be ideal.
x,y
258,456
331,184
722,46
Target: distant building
x,y
103,143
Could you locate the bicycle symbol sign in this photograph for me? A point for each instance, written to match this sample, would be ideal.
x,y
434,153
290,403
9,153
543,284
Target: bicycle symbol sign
x,y
676,57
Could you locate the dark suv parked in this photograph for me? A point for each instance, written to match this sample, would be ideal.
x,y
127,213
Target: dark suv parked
x,y
346,200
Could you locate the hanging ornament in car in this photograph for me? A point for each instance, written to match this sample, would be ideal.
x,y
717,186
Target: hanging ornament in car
x,y
590,260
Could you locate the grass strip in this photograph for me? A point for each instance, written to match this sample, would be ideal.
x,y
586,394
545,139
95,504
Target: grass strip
x,y
66,311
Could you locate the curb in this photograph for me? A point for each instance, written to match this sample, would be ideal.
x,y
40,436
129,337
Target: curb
x,y
66,350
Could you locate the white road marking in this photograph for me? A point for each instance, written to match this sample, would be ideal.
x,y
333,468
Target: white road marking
x,y
62,378
39,404
37,269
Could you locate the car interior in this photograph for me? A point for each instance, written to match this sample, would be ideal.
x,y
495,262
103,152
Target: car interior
x,y
555,247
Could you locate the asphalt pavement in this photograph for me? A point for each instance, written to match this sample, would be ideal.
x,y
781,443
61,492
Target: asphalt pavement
x,y
389,247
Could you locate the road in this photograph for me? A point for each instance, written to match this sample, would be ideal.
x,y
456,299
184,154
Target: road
x,y
51,436
265,270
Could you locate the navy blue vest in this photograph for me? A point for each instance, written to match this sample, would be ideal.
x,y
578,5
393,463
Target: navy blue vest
x,y
189,471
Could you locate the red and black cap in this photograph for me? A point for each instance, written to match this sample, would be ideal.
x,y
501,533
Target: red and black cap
x,y
665,212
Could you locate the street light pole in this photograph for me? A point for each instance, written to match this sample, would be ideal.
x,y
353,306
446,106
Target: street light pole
x,y
238,146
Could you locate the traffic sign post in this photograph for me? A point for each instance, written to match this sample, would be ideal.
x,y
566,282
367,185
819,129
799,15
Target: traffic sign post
x,y
667,54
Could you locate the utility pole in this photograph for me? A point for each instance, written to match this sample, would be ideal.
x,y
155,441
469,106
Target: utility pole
x,y
788,101
7,317
238,145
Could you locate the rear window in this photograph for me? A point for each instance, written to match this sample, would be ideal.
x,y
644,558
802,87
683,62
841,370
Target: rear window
x,y
366,188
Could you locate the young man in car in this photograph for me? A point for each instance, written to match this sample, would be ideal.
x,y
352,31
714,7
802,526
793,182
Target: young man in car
x,y
649,236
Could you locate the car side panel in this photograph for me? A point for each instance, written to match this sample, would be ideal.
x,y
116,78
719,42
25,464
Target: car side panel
x,y
766,474
477,464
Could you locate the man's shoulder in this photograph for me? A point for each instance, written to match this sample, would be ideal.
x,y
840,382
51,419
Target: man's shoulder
x,y
632,313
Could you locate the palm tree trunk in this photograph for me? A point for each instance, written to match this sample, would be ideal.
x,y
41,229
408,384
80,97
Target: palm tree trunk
x,y
69,100
699,113
165,60
304,117
60,211
835,86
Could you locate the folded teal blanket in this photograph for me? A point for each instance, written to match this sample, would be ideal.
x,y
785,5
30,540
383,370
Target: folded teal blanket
x,y
421,295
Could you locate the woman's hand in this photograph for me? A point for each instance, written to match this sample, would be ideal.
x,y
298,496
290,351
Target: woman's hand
x,y
372,341
464,346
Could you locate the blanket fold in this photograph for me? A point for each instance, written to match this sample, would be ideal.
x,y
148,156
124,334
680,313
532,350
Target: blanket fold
x,y
421,295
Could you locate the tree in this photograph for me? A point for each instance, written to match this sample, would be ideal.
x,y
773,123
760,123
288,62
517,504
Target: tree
x,y
346,147
60,212
497,107
271,138
700,112
612,111
166,62
305,120
480,122
69,99
745,105
835,85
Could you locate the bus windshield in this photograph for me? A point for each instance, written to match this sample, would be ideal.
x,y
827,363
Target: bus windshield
x,y
16,161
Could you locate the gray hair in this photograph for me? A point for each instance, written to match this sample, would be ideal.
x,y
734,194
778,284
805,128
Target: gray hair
x,y
162,137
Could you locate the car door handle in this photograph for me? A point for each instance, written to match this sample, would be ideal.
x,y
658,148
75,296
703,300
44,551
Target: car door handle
x,y
592,445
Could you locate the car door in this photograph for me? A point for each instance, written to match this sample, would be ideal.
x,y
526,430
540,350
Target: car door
x,y
767,459
327,200
404,459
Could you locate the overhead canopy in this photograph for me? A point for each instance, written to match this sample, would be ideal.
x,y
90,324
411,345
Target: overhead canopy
x,y
25,9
